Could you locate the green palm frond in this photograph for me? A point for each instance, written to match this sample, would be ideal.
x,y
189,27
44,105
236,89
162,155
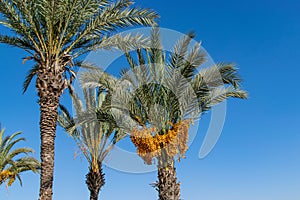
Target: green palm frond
x,y
10,167
110,18
229,74
97,78
180,50
16,42
126,42
30,75
94,127
219,95
195,58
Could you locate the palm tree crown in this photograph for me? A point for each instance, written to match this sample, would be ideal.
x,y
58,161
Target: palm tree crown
x,y
94,130
10,166
163,94
54,32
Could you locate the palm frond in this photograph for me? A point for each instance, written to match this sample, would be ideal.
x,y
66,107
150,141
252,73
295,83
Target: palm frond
x,y
229,74
125,43
17,42
93,123
112,17
10,166
30,75
219,95
97,78
180,50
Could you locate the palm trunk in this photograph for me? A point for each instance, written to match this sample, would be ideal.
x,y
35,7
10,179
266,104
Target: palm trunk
x,y
48,128
95,181
50,87
167,185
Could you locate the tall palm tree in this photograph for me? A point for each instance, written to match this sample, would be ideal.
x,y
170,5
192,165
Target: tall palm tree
x,y
163,96
94,130
54,33
10,166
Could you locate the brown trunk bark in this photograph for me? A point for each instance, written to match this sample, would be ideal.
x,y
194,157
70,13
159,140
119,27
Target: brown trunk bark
x,y
47,128
95,181
167,185
50,87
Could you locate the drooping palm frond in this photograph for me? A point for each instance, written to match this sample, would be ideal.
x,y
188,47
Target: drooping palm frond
x,y
17,42
30,75
10,166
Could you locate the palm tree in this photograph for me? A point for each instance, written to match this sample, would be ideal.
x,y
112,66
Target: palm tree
x,y
54,33
10,166
163,97
94,130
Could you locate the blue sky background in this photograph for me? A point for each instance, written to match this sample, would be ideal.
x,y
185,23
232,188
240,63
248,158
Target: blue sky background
x,y
257,156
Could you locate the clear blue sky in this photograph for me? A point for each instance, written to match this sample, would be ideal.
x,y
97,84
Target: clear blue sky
x,y
257,156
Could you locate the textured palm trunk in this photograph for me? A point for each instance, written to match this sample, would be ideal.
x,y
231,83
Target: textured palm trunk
x,y
167,185
50,87
95,181
48,117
